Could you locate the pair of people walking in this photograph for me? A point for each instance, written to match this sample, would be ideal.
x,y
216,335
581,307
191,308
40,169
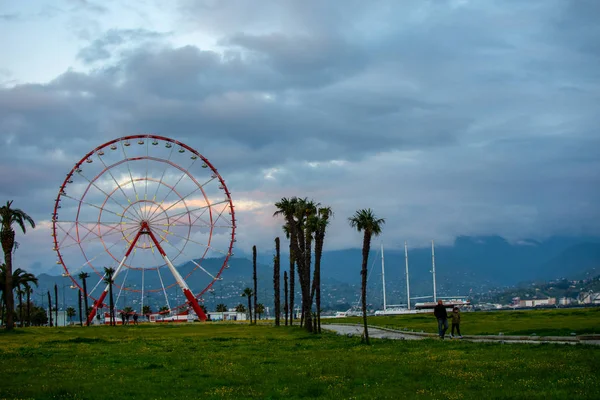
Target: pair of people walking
x,y
442,317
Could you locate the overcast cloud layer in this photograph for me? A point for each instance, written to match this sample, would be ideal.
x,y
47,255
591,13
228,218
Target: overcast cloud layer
x,y
446,117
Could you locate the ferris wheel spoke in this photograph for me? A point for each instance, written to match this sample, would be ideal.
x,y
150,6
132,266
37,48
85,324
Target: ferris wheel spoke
x,y
163,288
147,167
132,182
184,174
120,187
193,241
192,261
101,208
187,195
85,240
206,207
160,181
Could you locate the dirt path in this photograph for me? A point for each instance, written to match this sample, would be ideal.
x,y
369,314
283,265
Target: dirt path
x,y
385,333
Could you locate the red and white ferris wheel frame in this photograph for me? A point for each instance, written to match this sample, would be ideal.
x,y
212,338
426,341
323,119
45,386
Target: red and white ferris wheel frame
x,y
144,229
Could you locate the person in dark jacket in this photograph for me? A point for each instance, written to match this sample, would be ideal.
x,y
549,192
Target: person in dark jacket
x,y
442,316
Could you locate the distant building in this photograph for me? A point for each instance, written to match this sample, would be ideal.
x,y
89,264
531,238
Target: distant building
x,y
565,301
535,302
589,298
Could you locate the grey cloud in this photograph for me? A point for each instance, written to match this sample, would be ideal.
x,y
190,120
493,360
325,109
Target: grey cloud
x,y
103,47
446,119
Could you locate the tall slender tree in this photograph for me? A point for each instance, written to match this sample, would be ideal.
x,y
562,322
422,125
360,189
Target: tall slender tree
x,y
254,278
83,277
248,293
286,208
276,282
49,309
28,292
80,309
55,304
108,273
8,216
20,293
285,296
321,220
365,221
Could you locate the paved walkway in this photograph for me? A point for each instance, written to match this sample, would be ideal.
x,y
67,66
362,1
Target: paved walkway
x,y
386,333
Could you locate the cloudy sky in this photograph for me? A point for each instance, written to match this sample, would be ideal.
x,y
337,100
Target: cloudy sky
x,y
447,117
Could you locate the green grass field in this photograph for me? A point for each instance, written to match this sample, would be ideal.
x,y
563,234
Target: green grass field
x,y
553,322
217,361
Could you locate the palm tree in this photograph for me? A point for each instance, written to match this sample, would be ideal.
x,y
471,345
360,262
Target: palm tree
x,y
20,278
146,310
276,283
254,278
286,207
71,313
285,296
248,293
365,221
83,276
240,308
8,216
305,214
320,221
163,310
108,273
260,309
221,308
79,303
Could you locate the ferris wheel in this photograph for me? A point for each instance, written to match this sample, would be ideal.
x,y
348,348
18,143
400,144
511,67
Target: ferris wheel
x,y
153,212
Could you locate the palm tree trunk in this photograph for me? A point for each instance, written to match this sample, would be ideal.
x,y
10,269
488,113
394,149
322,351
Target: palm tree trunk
x,y
85,302
285,294
112,304
254,278
250,308
292,283
20,309
306,298
28,308
50,309
56,305
276,283
8,243
365,254
80,311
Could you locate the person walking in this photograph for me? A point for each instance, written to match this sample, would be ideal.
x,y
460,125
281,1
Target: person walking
x,y
455,322
442,317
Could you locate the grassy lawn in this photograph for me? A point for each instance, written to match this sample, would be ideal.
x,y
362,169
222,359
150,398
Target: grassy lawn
x,y
216,361
556,322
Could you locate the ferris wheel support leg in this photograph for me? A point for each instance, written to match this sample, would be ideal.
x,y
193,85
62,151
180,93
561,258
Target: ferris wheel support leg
x,y
100,300
180,281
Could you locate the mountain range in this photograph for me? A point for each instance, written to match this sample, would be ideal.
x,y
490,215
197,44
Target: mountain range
x,y
471,265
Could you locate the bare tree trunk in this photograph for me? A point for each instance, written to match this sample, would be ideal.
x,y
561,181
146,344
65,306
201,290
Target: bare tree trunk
x,y
292,283
56,304
255,283
285,291
50,309
276,283
21,309
28,307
